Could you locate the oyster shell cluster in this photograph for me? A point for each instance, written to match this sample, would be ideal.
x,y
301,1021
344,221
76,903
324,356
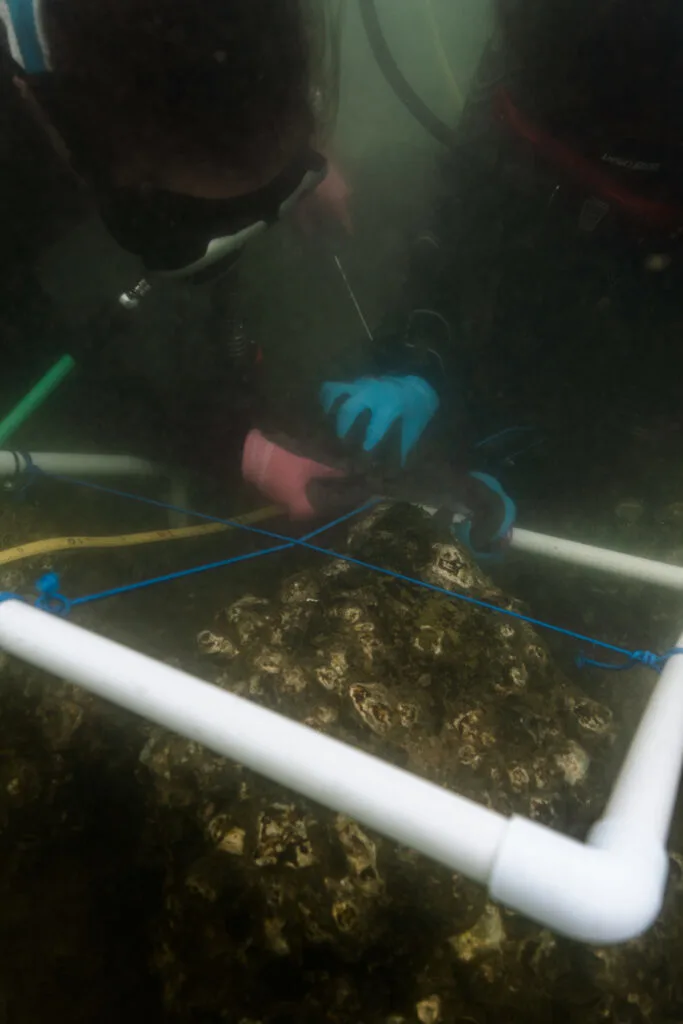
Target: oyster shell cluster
x,y
263,908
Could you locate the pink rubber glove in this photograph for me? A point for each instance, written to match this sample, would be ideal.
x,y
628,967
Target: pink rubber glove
x,y
282,476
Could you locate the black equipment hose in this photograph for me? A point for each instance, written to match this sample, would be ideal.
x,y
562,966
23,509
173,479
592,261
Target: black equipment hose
x,y
437,128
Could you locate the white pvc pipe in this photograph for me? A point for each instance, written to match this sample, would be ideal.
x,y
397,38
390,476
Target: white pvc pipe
x,y
645,792
70,464
644,569
78,465
423,816
606,892
613,888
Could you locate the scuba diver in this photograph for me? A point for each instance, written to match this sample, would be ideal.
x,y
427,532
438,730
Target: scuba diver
x,y
191,128
577,103
554,247
593,91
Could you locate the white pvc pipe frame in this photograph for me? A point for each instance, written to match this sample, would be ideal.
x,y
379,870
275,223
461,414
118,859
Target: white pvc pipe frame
x,y
75,464
606,891
71,464
645,570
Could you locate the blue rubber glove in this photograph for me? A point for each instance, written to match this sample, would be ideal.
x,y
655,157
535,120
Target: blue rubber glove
x,y
388,399
508,514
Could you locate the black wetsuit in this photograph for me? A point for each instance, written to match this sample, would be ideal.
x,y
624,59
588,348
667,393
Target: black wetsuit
x,y
553,324
162,380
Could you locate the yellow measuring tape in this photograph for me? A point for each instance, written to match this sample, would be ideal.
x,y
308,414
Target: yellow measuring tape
x,y
125,540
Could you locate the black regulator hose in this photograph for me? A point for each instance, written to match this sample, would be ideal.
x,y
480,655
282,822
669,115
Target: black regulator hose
x,y
437,128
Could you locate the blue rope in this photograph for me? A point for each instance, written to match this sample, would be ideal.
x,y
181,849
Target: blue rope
x,y
52,600
647,658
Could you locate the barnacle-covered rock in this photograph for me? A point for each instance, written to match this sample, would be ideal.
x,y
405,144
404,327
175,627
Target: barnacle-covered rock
x,y
236,900
335,922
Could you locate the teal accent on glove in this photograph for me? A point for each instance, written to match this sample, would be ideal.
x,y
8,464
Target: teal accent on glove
x,y
463,531
408,400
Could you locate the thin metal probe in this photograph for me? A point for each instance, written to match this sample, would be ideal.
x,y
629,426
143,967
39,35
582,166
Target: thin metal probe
x,y
354,299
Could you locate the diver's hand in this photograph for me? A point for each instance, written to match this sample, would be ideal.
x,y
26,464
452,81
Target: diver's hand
x,y
493,515
410,401
282,475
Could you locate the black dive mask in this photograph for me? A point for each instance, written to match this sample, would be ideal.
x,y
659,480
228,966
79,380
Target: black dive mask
x,y
183,237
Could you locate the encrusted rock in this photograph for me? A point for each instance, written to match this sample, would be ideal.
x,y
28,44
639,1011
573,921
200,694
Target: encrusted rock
x,y
487,934
429,1010
451,692
254,906
281,836
211,643
574,762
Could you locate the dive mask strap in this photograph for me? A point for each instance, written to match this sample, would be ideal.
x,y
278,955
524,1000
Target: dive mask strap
x,y
23,20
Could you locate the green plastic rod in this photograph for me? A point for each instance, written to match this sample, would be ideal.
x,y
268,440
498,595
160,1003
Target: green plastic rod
x,y
35,398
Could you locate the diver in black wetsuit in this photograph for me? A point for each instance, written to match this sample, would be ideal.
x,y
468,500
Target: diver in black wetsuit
x,y
191,128
554,249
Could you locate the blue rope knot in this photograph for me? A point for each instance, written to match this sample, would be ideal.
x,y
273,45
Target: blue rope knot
x,y
649,659
646,658
50,599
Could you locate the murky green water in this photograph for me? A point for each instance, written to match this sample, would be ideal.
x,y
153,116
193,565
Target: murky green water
x,y
143,877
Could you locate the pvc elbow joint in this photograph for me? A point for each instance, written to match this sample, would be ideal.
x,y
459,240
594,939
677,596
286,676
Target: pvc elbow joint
x,y
605,892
